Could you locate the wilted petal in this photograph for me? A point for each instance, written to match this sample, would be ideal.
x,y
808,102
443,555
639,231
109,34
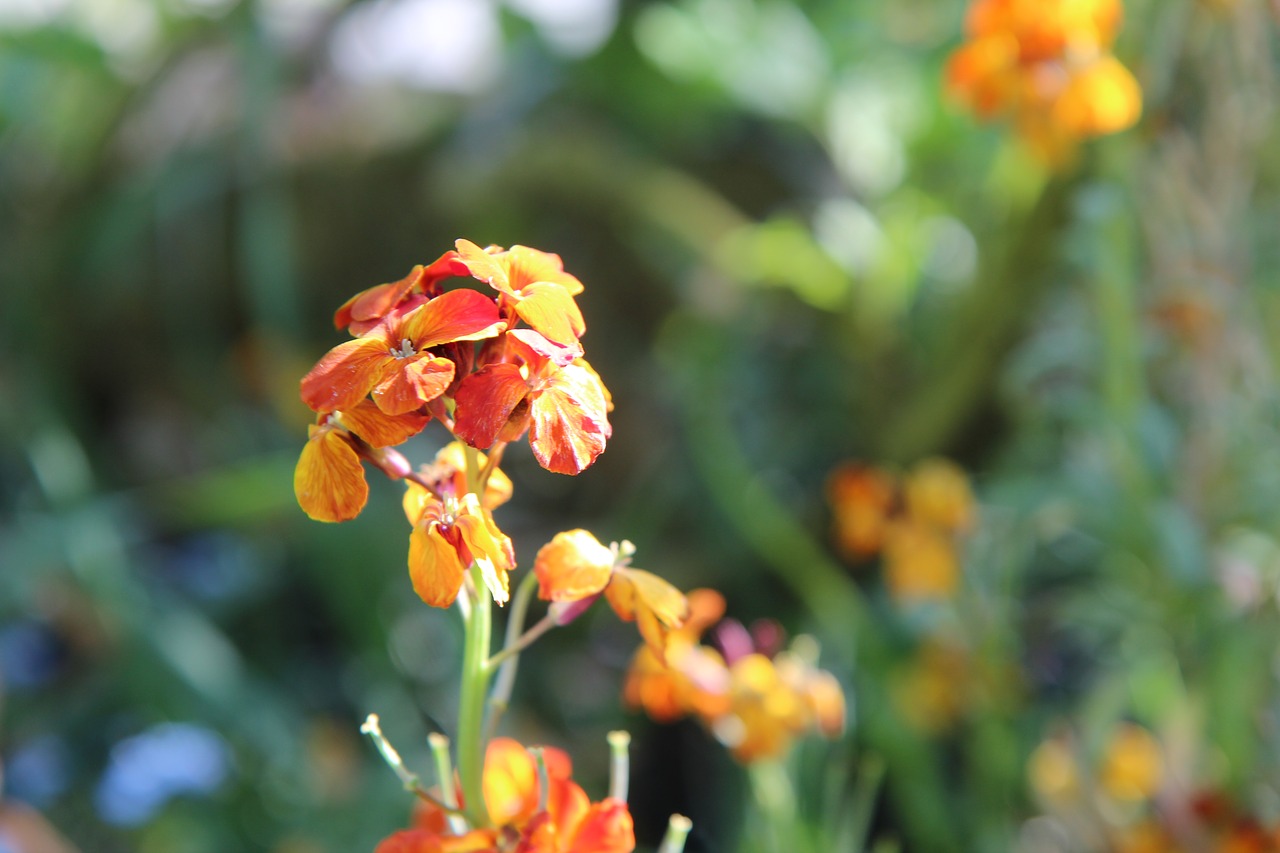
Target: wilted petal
x,y
485,401
408,383
343,377
459,315
380,429
329,481
434,566
655,605
573,565
570,423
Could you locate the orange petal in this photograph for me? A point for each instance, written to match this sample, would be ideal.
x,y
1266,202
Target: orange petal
x,y
459,315
409,383
346,373
329,481
606,828
376,302
379,429
510,782
484,265
570,421
485,400
434,566
571,566
490,548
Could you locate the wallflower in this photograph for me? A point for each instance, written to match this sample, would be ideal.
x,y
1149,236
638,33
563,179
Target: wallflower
x,y
754,703
936,492
448,536
861,500
526,819
329,480
1047,65
447,477
543,387
393,360
920,562
1131,767
575,568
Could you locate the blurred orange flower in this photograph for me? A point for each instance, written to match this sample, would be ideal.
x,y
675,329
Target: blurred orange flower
x,y
1046,64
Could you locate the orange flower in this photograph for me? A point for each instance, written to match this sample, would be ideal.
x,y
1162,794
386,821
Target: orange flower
x,y
561,819
550,391
329,480
369,307
534,287
1046,63
448,536
575,567
692,678
861,500
393,360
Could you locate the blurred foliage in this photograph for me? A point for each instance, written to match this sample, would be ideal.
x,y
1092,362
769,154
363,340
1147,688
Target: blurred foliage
x,y
796,252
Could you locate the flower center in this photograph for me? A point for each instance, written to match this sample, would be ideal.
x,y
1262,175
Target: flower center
x,y
406,349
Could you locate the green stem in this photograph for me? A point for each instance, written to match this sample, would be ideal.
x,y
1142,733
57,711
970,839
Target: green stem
x,y
678,828
775,800
513,650
475,678
475,683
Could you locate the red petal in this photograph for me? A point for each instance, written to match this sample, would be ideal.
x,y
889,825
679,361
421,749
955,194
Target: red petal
x,y
550,309
485,400
346,374
607,828
380,429
329,482
411,382
459,315
376,302
570,421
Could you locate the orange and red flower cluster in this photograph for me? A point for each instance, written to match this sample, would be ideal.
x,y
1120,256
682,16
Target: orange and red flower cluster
x,y
489,367
1048,65
753,695
915,523
531,809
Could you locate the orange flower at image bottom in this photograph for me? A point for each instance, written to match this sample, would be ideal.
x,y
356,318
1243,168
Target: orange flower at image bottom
x,y
569,823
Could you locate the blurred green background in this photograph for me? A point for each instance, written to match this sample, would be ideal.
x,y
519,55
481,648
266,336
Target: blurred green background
x,y
795,251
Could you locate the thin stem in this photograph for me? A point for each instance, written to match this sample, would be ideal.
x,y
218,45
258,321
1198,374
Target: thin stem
x,y
495,456
542,626
544,780
407,778
678,828
776,800
444,773
507,672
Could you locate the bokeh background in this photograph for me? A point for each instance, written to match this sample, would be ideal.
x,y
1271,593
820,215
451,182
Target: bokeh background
x,y
797,252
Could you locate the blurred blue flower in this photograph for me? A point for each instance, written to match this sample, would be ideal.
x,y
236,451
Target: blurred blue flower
x,y
37,771
30,654
150,768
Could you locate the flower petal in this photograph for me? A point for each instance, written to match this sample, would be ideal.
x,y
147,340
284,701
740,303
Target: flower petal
x,y
434,566
484,265
459,315
570,423
329,480
408,383
606,828
550,309
485,400
346,373
376,302
526,266
380,429
490,548
655,605
510,782
1103,98
573,565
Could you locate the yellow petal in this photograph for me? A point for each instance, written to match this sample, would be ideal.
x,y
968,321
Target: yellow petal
x,y
434,566
572,566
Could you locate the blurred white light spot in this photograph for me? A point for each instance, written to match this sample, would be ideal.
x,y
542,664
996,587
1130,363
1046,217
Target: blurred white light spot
x,y
571,27
953,252
127,29
31,13
440,45
849,233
